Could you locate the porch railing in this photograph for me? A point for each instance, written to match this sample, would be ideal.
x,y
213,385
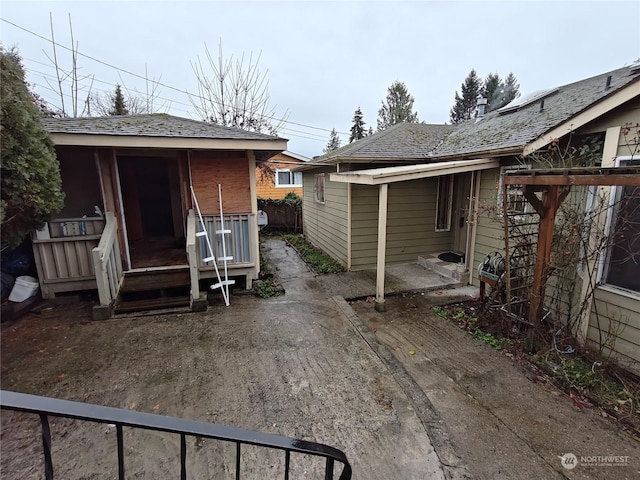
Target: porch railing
x,y
192,254
238,242
62,250
46,407
107,262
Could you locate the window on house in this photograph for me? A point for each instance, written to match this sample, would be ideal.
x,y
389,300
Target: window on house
x,y
623,256
318,187
516,201
287,178
444,202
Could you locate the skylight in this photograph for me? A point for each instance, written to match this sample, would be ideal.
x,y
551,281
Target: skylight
x,y
525,100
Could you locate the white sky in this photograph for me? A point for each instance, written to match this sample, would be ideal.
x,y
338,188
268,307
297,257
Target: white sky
x,y
324,59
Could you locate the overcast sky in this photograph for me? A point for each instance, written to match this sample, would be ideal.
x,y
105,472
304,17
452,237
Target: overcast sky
x,y
324,59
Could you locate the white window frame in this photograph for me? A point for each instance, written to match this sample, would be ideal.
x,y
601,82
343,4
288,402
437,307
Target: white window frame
x,y
612,213
448,206
518,190
292,176
318,195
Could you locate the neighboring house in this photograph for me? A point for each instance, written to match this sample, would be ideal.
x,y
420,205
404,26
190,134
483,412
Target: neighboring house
x,y
276,177
130,220
415,190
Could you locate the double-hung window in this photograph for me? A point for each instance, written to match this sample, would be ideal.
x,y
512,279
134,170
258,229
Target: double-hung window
x,y
318,187
516,201
444,203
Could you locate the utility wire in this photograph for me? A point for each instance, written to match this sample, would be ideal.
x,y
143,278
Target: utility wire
x,y
185,92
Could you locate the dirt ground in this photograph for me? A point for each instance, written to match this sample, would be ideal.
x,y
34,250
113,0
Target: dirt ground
x,y
299,366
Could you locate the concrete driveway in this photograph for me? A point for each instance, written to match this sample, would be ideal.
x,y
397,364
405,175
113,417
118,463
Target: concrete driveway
x,y
291,365
308,365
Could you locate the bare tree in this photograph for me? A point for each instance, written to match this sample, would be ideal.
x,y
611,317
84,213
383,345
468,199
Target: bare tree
x,y
234,93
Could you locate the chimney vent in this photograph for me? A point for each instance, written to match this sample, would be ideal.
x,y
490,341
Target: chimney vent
x,y
608,85
482,107
541,106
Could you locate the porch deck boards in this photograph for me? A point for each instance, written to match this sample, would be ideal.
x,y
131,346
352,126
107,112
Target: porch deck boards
x,y
157,252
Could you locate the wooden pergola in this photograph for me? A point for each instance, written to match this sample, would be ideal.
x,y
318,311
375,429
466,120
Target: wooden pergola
x,y
554,185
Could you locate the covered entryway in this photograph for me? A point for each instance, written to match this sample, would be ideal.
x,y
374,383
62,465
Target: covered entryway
x,y
151,200
453,204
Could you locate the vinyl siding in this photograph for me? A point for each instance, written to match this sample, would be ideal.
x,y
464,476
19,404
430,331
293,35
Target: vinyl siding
x,y
410,223
325,225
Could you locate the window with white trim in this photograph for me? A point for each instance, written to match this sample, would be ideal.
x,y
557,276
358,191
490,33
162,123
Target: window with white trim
x,y
444,202
285,178
516,201
622,265
318,187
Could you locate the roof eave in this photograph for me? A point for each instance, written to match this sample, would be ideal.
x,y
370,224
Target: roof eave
x,y
141,141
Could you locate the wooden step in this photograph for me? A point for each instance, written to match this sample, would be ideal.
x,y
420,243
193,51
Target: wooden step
x,y
146,304
141,281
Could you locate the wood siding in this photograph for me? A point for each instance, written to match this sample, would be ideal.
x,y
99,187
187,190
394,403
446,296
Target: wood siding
x,y
410,223
231,170
616,325
266,184
489,233
615,313
325,225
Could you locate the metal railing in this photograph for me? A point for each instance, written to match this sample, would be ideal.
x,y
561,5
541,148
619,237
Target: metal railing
x,y
46,407
238,242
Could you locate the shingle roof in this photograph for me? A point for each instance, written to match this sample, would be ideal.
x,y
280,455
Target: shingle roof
x,y
406,141
516,129
149,125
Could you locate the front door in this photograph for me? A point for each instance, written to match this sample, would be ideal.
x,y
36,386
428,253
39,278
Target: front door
x,y
462,195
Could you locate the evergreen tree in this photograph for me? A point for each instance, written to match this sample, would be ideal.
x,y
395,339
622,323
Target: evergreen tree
x,y
118,103
333,143
492,90
398,107
464,107
357,129
511,89
30,173
370,132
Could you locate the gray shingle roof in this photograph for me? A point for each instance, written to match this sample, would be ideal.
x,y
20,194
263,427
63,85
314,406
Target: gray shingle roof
x,y
408,141
149,125
514,130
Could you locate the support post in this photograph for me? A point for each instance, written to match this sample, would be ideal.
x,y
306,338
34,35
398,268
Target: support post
x,y
382,246
552,198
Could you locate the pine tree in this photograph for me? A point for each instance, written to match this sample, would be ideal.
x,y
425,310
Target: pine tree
x,y
370,132
357,129
464,107
30,179
333,143
398,107
118,103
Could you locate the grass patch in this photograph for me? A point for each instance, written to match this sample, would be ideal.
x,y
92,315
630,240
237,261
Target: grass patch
x,y
317,260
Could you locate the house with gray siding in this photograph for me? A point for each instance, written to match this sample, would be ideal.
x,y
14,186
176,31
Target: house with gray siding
x,y
415,191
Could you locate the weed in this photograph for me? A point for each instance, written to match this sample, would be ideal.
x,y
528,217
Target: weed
x,y
266,288
318,261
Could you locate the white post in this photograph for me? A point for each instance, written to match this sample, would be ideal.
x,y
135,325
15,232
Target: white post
x,y
382,246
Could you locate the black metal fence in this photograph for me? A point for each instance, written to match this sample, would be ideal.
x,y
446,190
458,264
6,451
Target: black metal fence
x,y
50,407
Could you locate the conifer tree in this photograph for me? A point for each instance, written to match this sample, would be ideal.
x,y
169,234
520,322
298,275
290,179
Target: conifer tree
x,y
118,103
357,129
30,172
398,107
464,107
333,143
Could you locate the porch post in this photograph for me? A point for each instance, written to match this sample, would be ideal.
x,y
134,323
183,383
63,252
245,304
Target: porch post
x,y
382,246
